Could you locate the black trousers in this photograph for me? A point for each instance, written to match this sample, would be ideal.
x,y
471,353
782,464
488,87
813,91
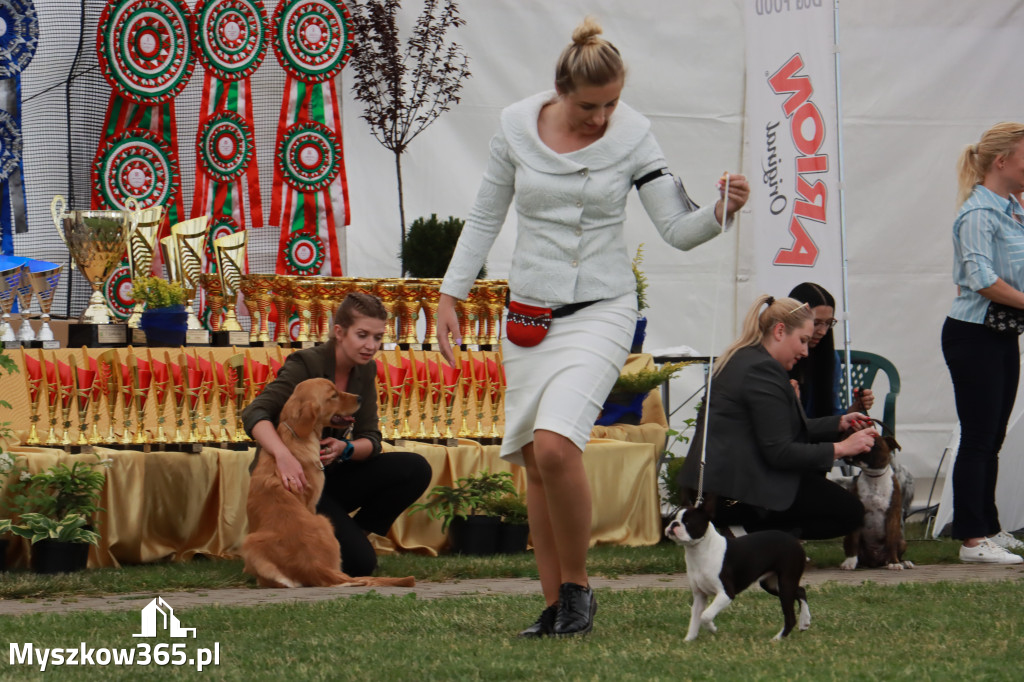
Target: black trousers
x,y
821,509
985,368
380,488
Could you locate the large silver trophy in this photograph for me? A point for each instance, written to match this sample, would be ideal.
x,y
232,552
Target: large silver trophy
x,y
96,240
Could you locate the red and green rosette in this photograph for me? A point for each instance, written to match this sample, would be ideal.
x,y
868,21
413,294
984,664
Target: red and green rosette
x,y
232,39
312,40
146,54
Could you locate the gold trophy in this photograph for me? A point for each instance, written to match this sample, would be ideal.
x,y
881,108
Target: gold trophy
x,y
66,385
387,291
430,298
324,290
230,251
469,316
96,240
302,292
9,280
141,246
497,393
128,393
282,300
52,382
191,243
161,389
256,292
34,382
210,281
494,293
142,377
44,283
409,310
83,381
234,367
110,386
178,375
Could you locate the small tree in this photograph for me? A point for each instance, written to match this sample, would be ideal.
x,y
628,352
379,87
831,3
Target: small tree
x,y
404,90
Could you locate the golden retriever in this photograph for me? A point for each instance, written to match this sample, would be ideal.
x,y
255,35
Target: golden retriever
x,y
289,544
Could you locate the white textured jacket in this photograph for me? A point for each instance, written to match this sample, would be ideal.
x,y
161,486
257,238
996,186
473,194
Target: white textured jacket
x,y
570,245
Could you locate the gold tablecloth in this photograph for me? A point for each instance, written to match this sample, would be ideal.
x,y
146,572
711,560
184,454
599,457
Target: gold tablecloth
x,y
162,506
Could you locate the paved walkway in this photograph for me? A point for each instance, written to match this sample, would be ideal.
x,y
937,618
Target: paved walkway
x,y
461,588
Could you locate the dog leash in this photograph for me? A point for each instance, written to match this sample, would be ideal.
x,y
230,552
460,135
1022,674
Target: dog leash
x,y
711,357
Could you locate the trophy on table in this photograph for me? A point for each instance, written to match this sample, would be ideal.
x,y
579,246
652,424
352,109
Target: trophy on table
x,y
141,247
9,280
234,366
230,252
96,240
44,284
210,281
191,241
256,291
24,291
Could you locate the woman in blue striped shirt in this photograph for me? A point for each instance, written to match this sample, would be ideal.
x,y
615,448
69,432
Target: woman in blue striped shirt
x,y
984,363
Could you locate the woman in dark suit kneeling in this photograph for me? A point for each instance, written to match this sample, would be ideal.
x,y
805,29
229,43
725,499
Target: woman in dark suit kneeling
x,y
766,460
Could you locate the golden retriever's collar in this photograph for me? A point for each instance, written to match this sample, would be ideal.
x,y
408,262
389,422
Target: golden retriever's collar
x,y
289,427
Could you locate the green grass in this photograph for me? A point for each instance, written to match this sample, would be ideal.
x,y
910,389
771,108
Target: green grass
x,y
606,561
904,632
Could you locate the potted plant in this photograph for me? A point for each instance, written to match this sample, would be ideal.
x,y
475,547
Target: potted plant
x,y
464,508
514,530
164,320
53,510
641,302
624,404
428,247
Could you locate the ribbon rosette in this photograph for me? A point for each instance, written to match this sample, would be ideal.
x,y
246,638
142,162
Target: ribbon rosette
x,y
312,41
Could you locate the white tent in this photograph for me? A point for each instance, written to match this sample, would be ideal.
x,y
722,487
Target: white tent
x,y
921,79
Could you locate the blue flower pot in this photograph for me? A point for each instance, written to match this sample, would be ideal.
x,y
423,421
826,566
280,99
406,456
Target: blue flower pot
x,y
165,327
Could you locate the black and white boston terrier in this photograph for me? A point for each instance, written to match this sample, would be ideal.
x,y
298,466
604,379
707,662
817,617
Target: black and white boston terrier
x,y
722,567
879,541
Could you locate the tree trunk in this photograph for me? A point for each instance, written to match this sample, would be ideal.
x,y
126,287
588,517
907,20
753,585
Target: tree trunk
x,y
401,204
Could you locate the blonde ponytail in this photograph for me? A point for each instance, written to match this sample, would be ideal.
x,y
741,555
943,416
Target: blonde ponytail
x,y
976,160
758,324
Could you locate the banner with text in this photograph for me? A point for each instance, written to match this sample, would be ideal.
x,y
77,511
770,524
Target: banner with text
x,y
791,145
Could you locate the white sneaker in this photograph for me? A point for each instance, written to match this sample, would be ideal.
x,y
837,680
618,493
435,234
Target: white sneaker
x,y
1006,541
988,552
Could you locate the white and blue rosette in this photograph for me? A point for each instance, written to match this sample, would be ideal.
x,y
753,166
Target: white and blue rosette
x,y
19,37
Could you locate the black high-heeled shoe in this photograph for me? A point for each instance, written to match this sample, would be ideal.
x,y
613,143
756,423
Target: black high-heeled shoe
x,y
576,608
544,626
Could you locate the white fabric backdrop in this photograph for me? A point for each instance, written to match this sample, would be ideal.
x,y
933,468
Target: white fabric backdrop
x,y
920,79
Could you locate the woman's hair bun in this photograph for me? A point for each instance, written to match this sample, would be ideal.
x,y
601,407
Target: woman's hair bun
x,y
588,29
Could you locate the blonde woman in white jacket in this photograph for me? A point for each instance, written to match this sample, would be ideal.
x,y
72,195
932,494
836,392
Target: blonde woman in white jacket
x,y
569,158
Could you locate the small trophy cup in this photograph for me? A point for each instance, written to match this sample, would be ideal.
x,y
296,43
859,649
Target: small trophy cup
x,y
282,299
96,240
256,292
128,393
387,291
110,386
430,298
52,382
178,376
34,384
409,310
84,384
24,289
191,241
302,298
141,246
497,386
210,281
231,264
142,378
221,395
44,283
161,381
9,281
66,385
235,368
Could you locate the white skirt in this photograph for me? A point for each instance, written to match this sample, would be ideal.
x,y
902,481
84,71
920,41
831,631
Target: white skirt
x,y
561,383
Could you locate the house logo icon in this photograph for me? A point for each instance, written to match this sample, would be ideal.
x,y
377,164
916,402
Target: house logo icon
x,y
159,614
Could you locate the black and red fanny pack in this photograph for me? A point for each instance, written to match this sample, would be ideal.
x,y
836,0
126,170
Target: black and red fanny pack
x,y
527,325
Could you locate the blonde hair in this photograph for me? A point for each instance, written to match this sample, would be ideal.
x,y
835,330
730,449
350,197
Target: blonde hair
x,y
976,159
758,324
588,60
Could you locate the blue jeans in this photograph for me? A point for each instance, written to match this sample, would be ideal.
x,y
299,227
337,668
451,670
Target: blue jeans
x,y
985,368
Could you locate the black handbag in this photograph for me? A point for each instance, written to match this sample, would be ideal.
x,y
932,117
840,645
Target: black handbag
x,y
1004,319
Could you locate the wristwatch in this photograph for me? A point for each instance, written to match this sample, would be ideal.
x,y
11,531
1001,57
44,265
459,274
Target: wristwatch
x,y
346,454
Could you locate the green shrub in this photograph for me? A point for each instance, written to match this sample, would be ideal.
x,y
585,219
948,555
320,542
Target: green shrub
x,y
428,247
